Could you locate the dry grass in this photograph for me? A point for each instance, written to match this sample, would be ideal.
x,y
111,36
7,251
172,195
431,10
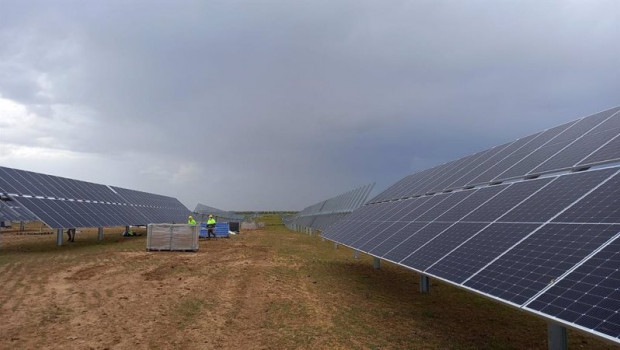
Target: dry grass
x,y
265,289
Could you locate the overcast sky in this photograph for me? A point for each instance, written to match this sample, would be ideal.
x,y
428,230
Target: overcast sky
x,y
259,105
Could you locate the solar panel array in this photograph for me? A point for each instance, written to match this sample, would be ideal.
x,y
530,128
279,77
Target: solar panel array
x,y
534,223
66,203
323,214
204,210
12,211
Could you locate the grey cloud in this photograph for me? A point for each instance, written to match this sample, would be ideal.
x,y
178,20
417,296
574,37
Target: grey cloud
x,y
271,104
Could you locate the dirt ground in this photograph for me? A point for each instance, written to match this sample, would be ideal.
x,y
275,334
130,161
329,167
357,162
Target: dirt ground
x,y
264,289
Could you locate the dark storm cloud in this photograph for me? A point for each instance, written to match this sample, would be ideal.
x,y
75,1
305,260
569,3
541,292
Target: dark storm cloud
x,y
277,104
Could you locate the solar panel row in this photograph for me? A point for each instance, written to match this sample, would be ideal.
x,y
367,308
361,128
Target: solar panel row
x,y
66,203
515,242
587,141
323,214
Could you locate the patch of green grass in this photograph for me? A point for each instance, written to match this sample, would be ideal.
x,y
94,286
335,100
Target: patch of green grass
x,y
188,309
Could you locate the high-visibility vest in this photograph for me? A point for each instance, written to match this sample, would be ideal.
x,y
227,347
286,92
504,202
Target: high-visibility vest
x,y
191,221
211,221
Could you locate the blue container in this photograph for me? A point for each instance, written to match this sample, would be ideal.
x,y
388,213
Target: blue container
x,y
203,230
221,229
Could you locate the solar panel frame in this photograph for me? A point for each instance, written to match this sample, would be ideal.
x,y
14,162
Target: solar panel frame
x,y
479,250
520,159
415,241
489,174
507,199
581,147
556,196
600,205
606,153
489,159
597,276
540,259
441,244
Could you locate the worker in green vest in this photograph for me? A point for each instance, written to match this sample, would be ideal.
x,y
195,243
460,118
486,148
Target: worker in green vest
x,y
191,221
211,226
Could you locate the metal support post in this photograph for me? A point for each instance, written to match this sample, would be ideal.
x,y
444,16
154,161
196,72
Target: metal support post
x,y
425,285
21,226
335,245
356,254
100,234
556,337
322,239
59,236
376,263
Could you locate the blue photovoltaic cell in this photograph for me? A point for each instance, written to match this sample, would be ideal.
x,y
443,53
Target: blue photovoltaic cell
x,y
368,228
600,206
527,158
391,192
424,207
419,180
567,137
443,173
156,208
589,296
396,237
415,241
476,199
498,167
487,159
378,237
506,169
386,224
506,200
582,147
540,259
403,208
441,245
609,152
479,251
451,200
556,196
355,222
469,163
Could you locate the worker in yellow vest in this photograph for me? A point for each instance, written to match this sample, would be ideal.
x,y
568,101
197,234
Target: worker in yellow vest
x,y
191,221
211,226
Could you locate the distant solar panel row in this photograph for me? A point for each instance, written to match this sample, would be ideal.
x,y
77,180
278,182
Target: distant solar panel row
x,y
587,141
205,210
548,244
323,214
65,203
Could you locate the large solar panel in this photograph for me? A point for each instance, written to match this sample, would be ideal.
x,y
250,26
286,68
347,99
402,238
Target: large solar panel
x,y
66,203
540,259
528,223
587,297
154,207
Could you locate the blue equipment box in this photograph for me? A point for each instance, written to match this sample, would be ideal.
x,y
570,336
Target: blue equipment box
x,y
203,230
221,230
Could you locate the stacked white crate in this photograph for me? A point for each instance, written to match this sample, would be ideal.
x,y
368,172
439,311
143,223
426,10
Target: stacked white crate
x,y
178,237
